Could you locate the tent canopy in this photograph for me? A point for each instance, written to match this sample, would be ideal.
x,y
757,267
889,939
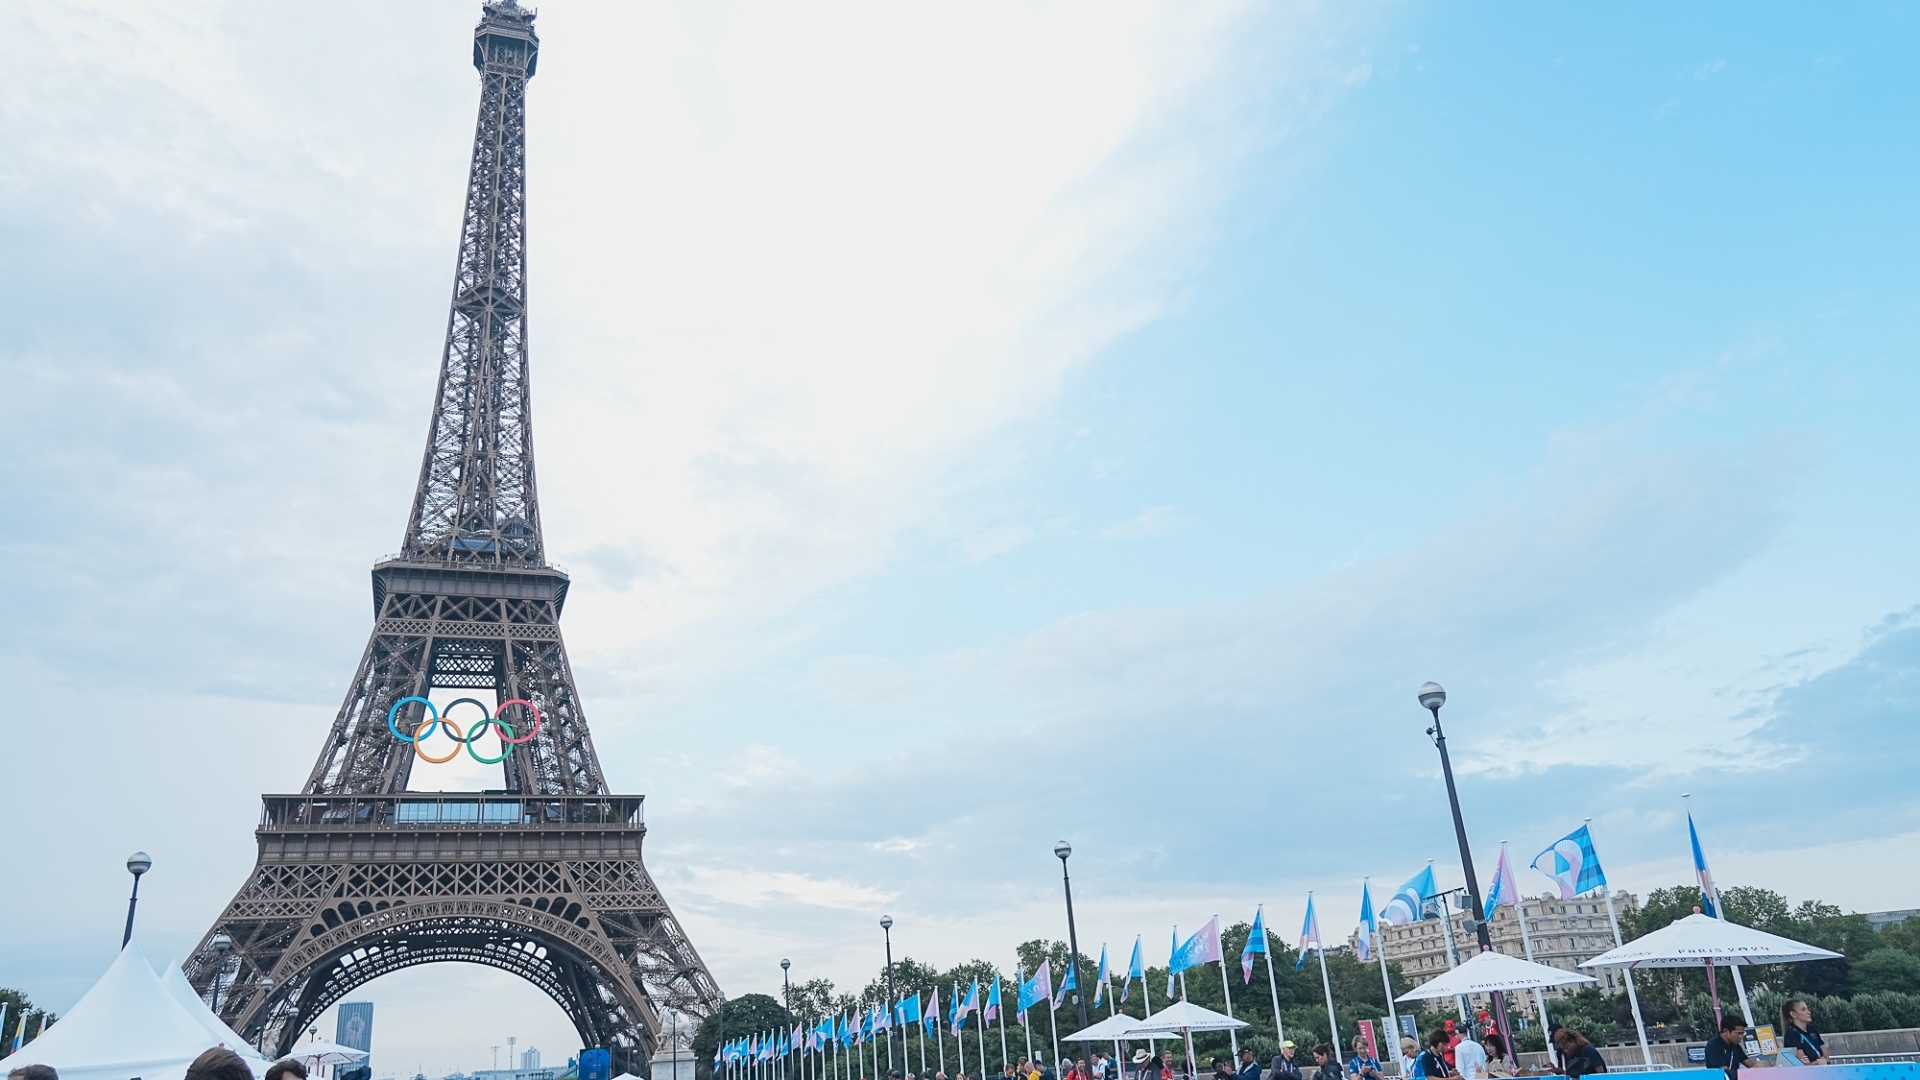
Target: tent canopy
x,y
177,987
1491,971
1184,1016
127,1025
1699,938
1117,1026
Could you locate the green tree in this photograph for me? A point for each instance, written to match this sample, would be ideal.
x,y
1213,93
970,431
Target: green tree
x,y
748,1014
1887,969
18,1005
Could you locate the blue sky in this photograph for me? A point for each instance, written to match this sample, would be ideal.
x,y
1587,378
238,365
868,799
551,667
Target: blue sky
x,y
968,429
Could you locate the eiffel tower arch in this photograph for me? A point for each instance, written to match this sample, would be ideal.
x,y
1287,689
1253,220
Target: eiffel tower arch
x,y
541,877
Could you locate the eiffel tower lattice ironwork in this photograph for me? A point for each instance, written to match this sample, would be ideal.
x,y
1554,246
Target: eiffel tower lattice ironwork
x,y
543,876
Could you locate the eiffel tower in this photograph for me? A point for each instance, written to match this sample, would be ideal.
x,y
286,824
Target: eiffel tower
x,y
541,877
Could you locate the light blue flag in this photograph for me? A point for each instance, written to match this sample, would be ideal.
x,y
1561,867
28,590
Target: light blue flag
x,y
1709,898
1256,943
1071,982
908,1011
1409,903
993,1002
1173,957
1309,934
1037,989
932,1013
1368,926
1135,970
1572,865
1100,978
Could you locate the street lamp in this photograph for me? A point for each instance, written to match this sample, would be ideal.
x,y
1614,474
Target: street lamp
x,y
1062,850
786,986
137,863
719,1035
886,927
1432,696
221,946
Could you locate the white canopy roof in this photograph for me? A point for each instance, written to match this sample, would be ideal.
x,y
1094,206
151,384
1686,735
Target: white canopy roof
x,y
322,1052
1698,938
1491,971
1117,1026
127,1025
1184,1016
177,987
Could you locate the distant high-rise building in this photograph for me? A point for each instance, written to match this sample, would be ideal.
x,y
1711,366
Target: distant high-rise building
x,y
530,1060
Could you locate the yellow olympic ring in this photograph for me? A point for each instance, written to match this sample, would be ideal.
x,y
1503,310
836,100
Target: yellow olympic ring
x,y
419,741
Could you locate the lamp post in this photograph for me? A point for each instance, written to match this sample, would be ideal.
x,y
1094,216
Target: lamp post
x,y
137,863
221,946
1432,696
786,988
1063,850
886,927
720,1038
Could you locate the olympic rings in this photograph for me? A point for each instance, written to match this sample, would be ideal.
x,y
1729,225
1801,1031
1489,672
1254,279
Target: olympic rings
x,y
434,720
458,741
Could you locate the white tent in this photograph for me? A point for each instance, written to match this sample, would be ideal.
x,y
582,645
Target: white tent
x,y
1698,939
1491,971
175,983
127,1025
1184,1016
1117,1026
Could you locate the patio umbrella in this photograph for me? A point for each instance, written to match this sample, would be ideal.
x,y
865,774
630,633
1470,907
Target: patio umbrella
x,y
1491,971
1185,1018
1117,1026
1703,939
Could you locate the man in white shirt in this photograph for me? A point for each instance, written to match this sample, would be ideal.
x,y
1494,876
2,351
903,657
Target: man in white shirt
x,y
1470,1059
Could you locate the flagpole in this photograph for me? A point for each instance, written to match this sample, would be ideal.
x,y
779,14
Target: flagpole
x,y
959,1042
1392,1041
1453,951
1053,1023
940,1037
1273,987
1320,948
1713,894
1233,1038
1112,1009
1019,998
1146,996
1000,1013
1639,1025
980,1033
923,1036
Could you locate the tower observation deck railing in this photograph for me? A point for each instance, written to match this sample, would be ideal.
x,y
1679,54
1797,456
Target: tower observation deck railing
x,y
480,811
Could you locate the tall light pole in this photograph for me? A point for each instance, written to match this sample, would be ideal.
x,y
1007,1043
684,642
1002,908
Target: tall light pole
x,y
720,1039
1432,696
886,927
1063,850
137,863
786,988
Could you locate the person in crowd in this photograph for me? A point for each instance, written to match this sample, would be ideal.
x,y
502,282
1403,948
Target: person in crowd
x,y
1144,1067
1110,1069
1362,1065
1432,1062
1166,1065
1495,1047
34,1072
1324,1067
1571,1044
290,1069
1453,1040
1249,1068
1469,1059
1409,1050
1222,1069
1797,1034
1283,1067
219,1063
1728,1049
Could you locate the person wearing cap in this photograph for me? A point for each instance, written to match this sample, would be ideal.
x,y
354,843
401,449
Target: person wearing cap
x,y
1283,1067
1143,1066
1249,1068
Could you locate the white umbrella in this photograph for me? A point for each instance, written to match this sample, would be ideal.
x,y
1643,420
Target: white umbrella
x,y
322,1052
1700,939
1184,1016
1491,971
1117,1026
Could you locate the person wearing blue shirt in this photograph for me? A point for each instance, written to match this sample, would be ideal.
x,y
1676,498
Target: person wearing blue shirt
x,y
1362,1065
1249,1068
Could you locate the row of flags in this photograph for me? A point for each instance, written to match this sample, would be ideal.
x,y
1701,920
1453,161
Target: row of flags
x,y
1570,862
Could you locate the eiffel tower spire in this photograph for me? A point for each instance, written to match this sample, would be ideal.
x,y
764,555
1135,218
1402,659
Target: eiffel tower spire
x,y
476,504
542,876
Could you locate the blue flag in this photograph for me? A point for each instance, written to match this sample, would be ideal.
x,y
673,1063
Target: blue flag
x,y
1409,903
1037,989
1572,865
1100,978
993,1003
1309,934
1256,943
1135,970
1071,982
1368,927
908,1011
1709,898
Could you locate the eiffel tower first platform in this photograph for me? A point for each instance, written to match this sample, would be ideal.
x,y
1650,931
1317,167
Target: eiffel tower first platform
x,y
541,877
